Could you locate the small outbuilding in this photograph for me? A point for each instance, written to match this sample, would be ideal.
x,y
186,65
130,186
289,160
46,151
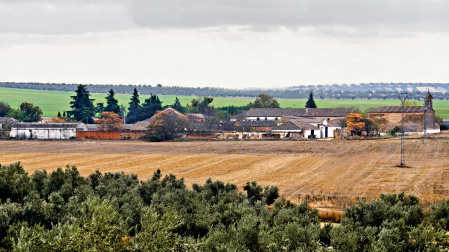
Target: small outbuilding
x,y
297,129
43,130
87,127
307,128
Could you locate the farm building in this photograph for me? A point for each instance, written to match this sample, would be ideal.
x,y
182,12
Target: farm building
x,y
146,122
43,130
134,127
415,117
257,126
196,118
87,127
306,128
273,114
7,121
133,131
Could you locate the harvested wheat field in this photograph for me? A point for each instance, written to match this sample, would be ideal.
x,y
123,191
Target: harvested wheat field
x,y
335,170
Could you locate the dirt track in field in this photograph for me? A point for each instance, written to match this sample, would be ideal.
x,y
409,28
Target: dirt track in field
x,y
335,168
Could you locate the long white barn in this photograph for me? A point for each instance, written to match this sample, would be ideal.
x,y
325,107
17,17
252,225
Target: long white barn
x,y
43,130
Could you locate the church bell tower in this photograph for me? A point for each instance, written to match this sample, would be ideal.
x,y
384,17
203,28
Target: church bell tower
x,y
428,101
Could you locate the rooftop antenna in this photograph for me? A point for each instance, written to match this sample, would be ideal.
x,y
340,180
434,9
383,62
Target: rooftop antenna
x,y
403,97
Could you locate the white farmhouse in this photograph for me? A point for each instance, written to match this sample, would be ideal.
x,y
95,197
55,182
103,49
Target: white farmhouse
x,y
306,128
43,130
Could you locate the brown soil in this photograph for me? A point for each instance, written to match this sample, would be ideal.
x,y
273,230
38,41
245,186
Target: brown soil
x,y
337,171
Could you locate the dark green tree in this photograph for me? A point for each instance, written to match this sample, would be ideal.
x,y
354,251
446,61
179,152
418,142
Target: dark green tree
x,y
112,103
202,106
150,107
177,105
14,183
99,108
264,101
31,113
82,106
63,114
16,114
4,108
134,106
310,102
59,114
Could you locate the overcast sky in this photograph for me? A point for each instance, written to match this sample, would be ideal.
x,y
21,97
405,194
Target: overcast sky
x,y
224,43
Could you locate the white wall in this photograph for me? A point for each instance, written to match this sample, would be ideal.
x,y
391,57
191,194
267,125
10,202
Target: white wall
x,y
317,133
50,133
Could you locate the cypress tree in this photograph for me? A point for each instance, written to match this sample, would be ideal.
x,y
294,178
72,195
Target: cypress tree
x,y
134,105
310,102
112,103
82,106
59,114
177,105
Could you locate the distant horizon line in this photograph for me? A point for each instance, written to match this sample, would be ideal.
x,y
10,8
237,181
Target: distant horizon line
x,y
245,88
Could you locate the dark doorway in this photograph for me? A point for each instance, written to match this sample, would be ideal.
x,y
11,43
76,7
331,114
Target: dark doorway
x,y
325,132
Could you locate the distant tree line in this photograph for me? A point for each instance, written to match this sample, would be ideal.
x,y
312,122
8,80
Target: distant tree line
x,y
63,211
345,92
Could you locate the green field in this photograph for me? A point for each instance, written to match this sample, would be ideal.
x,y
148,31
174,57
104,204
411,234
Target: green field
x,y
51,102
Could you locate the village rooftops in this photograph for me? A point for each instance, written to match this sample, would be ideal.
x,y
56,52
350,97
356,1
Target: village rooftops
x,y
398,109
295,125
312,120
202,116
298,112
44,125
258,123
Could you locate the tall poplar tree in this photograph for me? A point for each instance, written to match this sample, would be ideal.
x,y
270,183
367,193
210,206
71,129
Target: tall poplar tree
x,y
82,106
112,103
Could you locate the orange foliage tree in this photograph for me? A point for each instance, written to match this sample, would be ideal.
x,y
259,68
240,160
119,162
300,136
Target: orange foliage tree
x,y
357,123
110,122
165,125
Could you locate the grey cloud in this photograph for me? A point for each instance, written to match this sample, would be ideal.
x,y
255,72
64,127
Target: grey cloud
x,y
325,16
382,14
63,17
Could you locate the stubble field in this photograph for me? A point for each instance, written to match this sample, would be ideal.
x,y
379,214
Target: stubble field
x,y
336,171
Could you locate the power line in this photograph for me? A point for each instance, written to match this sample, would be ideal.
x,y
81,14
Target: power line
x,y
403,97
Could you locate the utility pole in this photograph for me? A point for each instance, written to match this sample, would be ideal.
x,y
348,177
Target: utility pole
x,y
403,97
